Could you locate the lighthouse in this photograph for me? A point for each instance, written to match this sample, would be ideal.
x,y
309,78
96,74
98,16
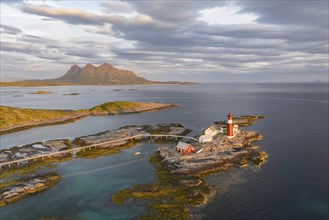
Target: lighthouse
x,y
229,129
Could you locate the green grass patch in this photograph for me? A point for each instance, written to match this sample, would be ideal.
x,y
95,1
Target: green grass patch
x,y
12,118
97,152
117,107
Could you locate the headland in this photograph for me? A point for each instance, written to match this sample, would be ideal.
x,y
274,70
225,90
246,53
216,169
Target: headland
x,y
13,119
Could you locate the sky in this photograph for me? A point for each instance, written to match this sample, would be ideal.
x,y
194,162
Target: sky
x,y
201,41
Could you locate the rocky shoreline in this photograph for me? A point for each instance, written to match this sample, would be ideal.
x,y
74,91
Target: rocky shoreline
x,y
32,150
67,116
181,186
221,152
38,149
17,190
242,121
146,107
63,120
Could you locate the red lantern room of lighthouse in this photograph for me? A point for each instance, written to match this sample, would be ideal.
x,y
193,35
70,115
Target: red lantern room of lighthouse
x,y
229,130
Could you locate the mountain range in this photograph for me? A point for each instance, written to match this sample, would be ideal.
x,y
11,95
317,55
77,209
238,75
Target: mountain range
x,y
104,74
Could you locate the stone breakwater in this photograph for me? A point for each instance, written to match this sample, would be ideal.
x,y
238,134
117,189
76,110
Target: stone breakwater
x,y
132,130
41,150
34,149
19,189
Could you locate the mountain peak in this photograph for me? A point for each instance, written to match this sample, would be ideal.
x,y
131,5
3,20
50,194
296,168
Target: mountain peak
x,y
105,74
105,65
75,66
89,66
72,71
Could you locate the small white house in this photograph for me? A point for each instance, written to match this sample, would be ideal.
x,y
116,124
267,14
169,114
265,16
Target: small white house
x,y
211,131
235,129
205,138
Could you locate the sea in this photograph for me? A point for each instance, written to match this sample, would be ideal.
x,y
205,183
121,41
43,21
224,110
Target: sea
x,y
291,184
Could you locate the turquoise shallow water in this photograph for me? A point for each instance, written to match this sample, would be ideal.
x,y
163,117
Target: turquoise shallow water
x,y
86,187
292,184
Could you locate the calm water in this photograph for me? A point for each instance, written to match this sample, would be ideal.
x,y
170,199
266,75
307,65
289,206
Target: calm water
x,y
291,185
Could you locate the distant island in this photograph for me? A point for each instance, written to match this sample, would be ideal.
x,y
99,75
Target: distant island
x,y
40,92
12,119
104,74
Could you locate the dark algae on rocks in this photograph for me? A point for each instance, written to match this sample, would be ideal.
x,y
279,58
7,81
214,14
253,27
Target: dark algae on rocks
x,y
181,189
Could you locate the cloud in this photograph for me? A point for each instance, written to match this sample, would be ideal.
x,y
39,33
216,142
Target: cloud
x,y
226,15
82,53
117,6
265,31
34,50
164,38
5,29
105,30
12,2
303,13
79,17
174,11
71,16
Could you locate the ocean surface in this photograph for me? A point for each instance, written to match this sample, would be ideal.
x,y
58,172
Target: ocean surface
x,y
292,184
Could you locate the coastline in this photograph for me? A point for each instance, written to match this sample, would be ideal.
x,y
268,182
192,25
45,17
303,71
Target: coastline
x,y
180,184
181,188
28,84
76,115
24,187
11,188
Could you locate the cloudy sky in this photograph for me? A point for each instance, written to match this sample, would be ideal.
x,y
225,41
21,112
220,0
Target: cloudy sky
x,y
210,41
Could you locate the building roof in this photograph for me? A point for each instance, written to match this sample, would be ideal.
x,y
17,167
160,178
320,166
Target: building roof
x,y
183,146
206,137
212,128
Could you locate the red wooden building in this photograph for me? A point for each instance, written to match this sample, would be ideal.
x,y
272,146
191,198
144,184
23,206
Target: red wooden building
x,y
184,148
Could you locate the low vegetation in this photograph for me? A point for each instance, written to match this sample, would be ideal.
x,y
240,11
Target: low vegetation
x,y
170,196
97,152
127,107
41,92
12,118
16,190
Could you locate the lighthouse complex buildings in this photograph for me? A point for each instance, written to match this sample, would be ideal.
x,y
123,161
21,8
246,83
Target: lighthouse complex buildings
x,y
212,131
209,134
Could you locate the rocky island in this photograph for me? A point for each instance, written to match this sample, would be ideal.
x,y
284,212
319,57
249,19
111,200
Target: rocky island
x,y
16,190
12,119
41,92
181,177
